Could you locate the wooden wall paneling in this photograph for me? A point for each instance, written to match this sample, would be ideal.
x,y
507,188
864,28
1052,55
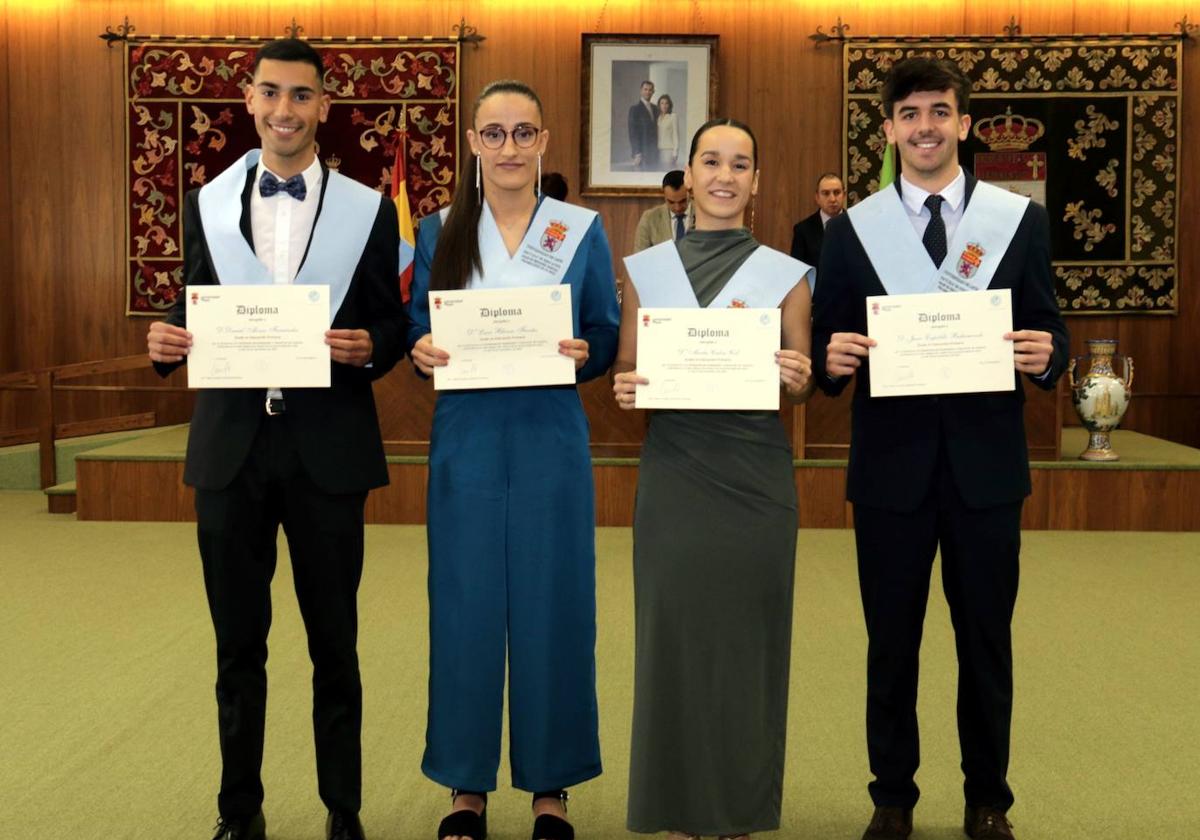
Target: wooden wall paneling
x,y
1101,500
616,487
8,338
1035,513
133,491
402,502
821,493
36,113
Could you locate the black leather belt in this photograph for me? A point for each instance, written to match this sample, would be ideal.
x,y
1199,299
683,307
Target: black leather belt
x,y
275,406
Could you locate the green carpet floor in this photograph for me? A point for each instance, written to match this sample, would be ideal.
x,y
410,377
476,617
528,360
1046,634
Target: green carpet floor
x,y
110,723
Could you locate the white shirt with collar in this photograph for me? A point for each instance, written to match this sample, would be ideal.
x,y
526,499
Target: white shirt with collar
x,y
825,217
282,226
953,207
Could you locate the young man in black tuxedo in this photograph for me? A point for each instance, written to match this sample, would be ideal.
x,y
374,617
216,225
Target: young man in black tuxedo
x,y
936,471
303,458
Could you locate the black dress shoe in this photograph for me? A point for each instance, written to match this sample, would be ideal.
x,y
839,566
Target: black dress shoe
x,y
986,824
889,824
247,828
342,825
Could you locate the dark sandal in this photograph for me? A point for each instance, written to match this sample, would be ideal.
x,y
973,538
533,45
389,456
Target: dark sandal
x,y
548,826
464,823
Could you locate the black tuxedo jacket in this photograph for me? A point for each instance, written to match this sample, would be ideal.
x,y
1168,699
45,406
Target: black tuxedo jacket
x,y
336,428
807,236
896,441
643,134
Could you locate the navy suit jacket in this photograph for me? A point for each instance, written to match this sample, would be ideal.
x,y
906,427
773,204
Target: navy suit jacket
x,y
336,428
895,442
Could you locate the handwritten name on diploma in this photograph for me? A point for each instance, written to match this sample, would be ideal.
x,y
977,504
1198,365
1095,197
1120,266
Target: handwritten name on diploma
x,y
942,343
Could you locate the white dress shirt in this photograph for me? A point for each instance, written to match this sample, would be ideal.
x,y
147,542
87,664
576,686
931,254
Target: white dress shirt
x,y
914,197
282,226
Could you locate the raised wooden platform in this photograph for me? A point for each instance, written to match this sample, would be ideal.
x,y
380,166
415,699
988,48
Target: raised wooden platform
x,y
1153,487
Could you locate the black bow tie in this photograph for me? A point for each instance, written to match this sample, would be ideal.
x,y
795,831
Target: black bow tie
x,y
294,186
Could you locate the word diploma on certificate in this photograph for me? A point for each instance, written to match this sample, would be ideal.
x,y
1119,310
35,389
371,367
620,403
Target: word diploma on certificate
x,y
941,343
502,338
258,336
708,359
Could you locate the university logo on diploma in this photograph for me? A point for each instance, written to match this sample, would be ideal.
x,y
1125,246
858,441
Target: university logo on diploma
x,y
1010,165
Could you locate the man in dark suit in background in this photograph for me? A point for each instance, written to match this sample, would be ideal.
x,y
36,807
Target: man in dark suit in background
x,y
303,459
809,233
643,130
948,471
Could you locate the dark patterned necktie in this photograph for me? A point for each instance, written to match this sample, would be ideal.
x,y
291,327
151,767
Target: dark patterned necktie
x,y
294,186
679,229
935,233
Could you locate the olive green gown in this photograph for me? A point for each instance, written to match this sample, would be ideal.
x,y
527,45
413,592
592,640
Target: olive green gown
x,y
714,554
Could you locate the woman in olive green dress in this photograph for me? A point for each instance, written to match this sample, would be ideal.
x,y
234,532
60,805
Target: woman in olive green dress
x,y
714,532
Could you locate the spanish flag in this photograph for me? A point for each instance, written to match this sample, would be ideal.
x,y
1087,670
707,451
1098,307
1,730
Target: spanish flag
x,y
407,240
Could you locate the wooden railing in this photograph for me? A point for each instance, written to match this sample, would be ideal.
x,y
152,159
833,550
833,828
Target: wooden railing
x,y
46,382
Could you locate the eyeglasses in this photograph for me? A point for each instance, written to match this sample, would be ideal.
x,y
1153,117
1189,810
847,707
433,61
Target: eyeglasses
x,y
524,135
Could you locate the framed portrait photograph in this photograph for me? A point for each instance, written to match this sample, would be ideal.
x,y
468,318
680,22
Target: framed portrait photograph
x,y
643,98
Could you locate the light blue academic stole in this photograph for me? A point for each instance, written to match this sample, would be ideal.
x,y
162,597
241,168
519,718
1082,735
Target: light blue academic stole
x,y
900,259
762,281
544,255
341,231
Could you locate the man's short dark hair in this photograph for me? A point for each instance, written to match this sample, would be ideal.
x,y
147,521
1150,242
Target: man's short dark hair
x,y
920,74
825,176
673,179
647,82
290,49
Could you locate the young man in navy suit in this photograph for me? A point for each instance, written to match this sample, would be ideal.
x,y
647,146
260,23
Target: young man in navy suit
x,y
936,471
303,458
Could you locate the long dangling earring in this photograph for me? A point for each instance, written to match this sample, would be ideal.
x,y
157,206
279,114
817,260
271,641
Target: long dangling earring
x,y
537,188
478,185
753,202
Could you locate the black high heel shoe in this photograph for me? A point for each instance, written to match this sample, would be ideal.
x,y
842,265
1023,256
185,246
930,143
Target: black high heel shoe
x,y
548,826
464,823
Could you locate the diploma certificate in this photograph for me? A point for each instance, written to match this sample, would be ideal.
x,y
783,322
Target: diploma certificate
x,y
948,343
502,338
258,336
708,358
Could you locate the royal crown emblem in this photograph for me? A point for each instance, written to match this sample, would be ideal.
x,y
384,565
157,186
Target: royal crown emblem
x,y
554,236
970,259
333,161
1009,132
1009,163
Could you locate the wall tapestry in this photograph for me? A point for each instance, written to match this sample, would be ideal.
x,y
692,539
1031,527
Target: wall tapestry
x,y
1088,126
186,121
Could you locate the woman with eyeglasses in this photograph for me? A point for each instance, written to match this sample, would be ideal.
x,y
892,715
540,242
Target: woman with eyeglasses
x,y
511,513
714,529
